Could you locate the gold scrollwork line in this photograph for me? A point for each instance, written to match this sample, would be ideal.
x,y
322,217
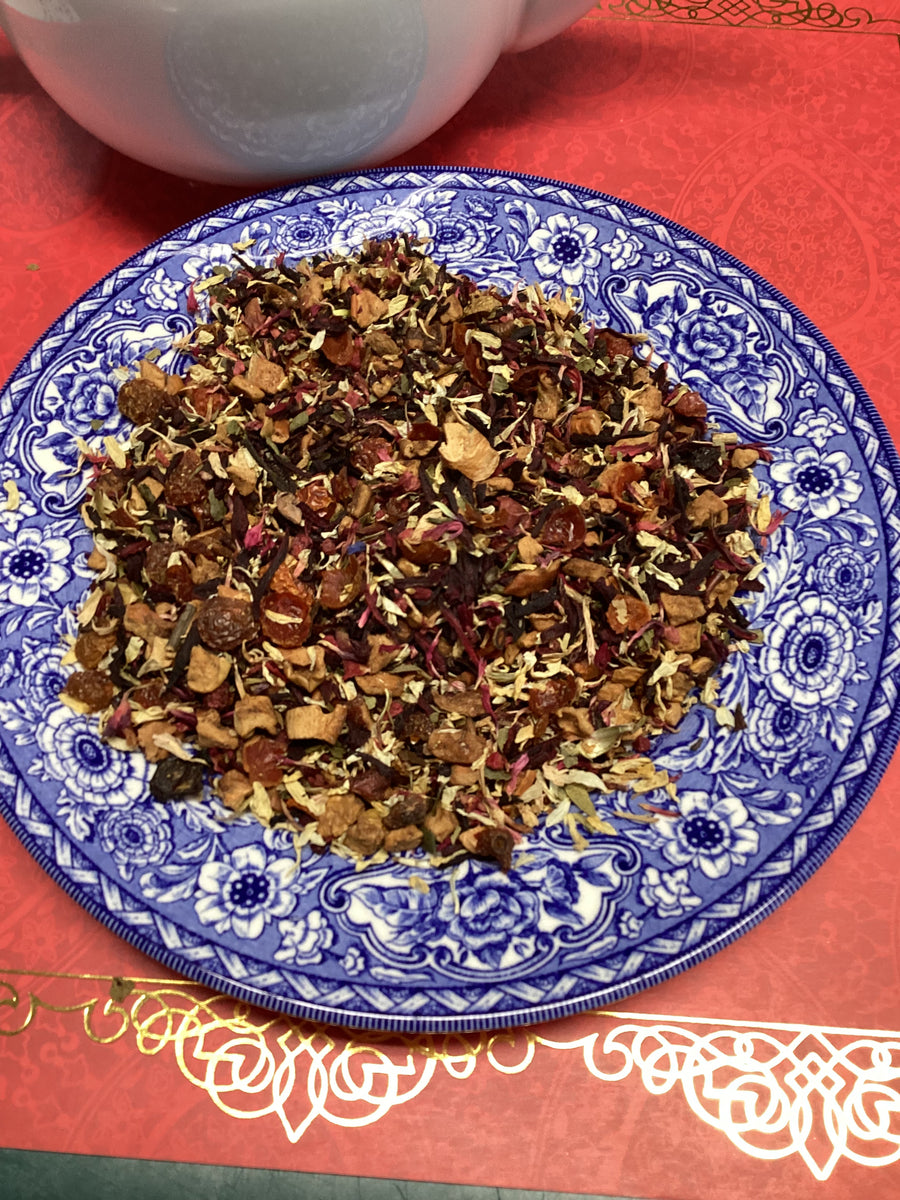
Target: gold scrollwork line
x,y
774,1090
798,15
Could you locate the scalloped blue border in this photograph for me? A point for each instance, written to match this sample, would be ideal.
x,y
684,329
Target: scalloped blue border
x,y
828,839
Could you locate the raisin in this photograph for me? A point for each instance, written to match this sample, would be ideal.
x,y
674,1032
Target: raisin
x,y
177,778
286,617
141,401
90,648
223,623
183,483
93,688
148,695
704,457
411,809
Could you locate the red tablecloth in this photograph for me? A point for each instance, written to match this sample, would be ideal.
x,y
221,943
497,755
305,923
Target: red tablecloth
x,y
769,126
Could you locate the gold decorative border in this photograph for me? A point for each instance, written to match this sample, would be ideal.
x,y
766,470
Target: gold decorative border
x,y
774,1090
797,15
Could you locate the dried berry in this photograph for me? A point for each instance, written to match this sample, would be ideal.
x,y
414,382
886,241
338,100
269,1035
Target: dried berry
x,y
177,779
92,688
91,648
286,617
223,622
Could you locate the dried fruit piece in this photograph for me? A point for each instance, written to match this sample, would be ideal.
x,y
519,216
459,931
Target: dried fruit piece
x,y
91,688
140,401
224,622
177,779
286,617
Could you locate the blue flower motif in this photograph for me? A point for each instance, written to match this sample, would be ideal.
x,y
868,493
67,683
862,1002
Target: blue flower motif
x,y
493,911
624,250
304,939
136,837
299,236
630,925
817,426
93,775
712,835
815,482
161,292
88,396
565,249
668,893
244,891
661,258
715,340
844,573
40,678
302,235
411,214
354,961
777,732
807,658
463,238
125,308
32,567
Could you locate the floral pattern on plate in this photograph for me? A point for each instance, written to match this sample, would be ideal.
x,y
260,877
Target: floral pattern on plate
x,y
770,778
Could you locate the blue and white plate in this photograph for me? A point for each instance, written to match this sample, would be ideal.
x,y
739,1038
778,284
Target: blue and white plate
x,y
763,799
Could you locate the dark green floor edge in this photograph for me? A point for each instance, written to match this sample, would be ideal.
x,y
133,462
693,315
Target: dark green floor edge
x,y
34,1175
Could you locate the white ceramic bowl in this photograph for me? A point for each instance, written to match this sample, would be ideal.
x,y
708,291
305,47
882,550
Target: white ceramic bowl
x,y
253,91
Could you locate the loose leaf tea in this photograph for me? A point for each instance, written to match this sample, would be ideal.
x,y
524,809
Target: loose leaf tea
x,y
401,561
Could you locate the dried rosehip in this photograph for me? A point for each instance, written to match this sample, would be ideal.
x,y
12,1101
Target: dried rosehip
x,y
92,688
262,758
286,617
220,698
141,401
183,484
554,695
224,622
564,529
177,778
427,552
341,586
317,497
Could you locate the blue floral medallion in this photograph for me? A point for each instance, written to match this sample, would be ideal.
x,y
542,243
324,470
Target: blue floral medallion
x,y
770,776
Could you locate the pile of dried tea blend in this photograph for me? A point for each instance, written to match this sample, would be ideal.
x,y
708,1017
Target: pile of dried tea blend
x,y
405,562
